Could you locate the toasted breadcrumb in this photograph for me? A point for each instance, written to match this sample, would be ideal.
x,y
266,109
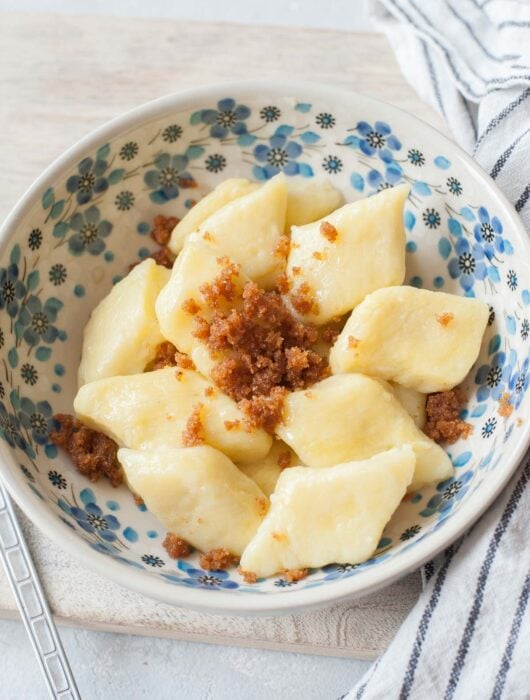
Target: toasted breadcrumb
x,y
353,342
279,536
164,357
162,228
232,424
183,361
442,417
262,505
209,391
223,287
284,459
328,231
282,283
138,500
186,183
193,433
93,453
247,576
303,300
207,236
264,411
445,318
201,329
175,546
505,406
281,249
319,255
217,560
190,306
295,575
295,271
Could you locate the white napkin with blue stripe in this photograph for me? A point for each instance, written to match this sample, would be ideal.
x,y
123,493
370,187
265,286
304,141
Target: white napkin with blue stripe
x,y
468,637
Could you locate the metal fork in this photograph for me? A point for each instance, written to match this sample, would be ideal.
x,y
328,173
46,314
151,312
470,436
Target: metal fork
x,y
32,604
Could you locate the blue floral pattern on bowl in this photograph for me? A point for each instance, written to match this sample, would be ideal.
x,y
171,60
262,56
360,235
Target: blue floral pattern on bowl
x,y
86,229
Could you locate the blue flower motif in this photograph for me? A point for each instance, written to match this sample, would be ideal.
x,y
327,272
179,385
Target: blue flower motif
x,y
448,493
280,155
518,384
334,571
202,579
169,176
381,181
89,232
36,321
37,418
378,139
229,117
469,265
488,233
12,289
10,429
89,179
489,427
92,520
493,377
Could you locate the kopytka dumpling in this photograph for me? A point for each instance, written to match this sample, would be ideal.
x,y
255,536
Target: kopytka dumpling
x,y
424,340
198,494
334,515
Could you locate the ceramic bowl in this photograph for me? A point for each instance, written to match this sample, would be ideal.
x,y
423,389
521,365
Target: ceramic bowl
x,y
77,229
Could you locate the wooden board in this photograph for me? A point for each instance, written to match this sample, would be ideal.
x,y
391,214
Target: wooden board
x,y
60,77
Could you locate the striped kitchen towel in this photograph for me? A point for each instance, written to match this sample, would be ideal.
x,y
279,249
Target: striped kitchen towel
x,y
468,637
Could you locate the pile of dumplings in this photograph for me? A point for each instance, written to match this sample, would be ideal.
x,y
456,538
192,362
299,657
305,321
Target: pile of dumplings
x,y
354,439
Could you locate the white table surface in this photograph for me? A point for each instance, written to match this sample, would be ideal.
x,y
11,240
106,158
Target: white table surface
x,y
122,666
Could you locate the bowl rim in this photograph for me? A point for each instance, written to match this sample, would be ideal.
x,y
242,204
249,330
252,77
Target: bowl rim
x,y
290,600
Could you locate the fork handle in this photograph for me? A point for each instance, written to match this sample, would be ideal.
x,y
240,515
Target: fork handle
x,y
32,604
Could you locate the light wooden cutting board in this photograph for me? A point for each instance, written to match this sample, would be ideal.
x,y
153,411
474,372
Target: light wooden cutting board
x,y
62,76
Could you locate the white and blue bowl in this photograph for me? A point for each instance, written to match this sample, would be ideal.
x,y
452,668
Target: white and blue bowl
x,y
76,230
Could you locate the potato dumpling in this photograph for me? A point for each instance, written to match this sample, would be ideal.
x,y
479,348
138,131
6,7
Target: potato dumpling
x,y
249,229
309,200
151,410
424,340
348,254
323,516
225,192
181,299
122,333
354,417
412,401
266,471
198,494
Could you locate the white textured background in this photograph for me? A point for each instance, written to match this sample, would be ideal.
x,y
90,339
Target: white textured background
x,y
126,667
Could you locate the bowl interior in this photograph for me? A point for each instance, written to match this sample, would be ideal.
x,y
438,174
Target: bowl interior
x,y
90,217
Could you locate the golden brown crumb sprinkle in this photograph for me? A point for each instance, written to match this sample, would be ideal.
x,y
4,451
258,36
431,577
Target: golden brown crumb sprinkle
x,y
262,505
295,575
247,576
281,249
223,287
282,283
445,318
284,459
266,353
175,546
93,453
295,270
279,536
164,357
138,499
519,422
303,300
217,560
207,236
209,391
505,406
183,361
232,424
193,433
319,255
190,306
162,228
187,183
163,256
442,417
329,231
353,342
